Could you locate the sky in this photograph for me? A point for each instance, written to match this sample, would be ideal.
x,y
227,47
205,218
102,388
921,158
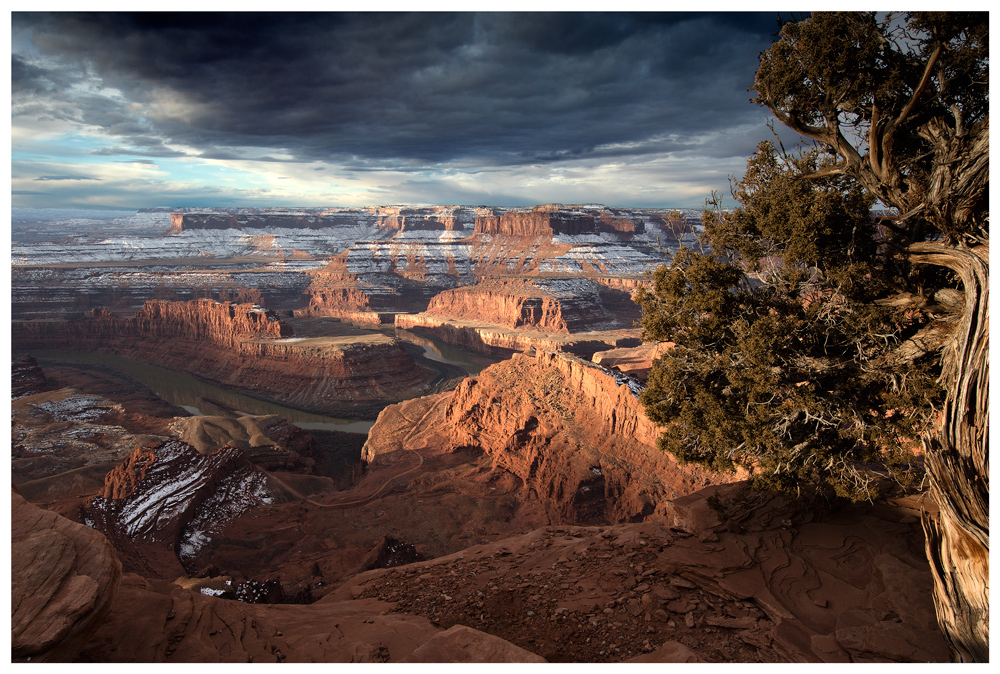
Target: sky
x,y
117,110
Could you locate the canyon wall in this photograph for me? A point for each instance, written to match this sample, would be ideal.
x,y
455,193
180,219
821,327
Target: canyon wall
x,y
571,432
399,218
440,218
555,219
245,348
545,305
497,341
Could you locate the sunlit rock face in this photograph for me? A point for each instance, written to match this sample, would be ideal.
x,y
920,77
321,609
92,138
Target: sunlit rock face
x,y
554,219
546,305
573,433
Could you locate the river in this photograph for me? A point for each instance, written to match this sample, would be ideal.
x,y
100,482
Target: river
x,y
183,390
473,363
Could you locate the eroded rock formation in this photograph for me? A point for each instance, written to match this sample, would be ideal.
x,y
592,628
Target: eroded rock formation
x,y
63,580
245,348
570,431
474,479
399,218
772,584
545,305
169,496
554,219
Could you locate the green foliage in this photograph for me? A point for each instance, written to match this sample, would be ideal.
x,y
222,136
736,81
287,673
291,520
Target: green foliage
x,y
785,361
903,102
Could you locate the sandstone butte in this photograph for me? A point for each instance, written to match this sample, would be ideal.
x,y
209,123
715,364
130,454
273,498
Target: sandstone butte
x,y
553,305
551,220
246,348
336,292
471,276
619,556
522,303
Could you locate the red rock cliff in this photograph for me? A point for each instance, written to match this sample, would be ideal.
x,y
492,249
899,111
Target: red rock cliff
x,y
244,348
570,431
553,219
535,223
221,323
545,305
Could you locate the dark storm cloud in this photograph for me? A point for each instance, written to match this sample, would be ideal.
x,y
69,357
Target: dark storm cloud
x,y
402,90
28,78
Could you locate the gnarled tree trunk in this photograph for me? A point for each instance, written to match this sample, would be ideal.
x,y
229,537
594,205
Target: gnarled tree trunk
x,y
957,459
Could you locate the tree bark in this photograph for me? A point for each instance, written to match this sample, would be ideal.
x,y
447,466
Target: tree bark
x,y
957,460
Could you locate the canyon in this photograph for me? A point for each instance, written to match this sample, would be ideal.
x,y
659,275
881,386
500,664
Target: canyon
x,y
549,524
246,348
510,506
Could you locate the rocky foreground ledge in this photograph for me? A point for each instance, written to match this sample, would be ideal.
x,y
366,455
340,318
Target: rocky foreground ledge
x,y
551,526
785,587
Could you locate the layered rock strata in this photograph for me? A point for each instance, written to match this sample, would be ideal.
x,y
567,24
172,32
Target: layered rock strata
x,y
45,292
570,431
554,219
399,218
716,575
245,348
499,341
398,256
545,305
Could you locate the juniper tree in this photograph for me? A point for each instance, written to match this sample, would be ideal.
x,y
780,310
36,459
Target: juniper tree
x,y
785,363
811,336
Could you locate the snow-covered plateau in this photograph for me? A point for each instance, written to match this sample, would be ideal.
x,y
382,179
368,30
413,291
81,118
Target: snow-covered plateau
x,y
273,256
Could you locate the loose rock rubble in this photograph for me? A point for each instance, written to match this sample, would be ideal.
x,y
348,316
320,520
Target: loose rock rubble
x,y
588,594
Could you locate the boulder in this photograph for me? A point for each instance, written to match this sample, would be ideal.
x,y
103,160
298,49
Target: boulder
x,y
63,579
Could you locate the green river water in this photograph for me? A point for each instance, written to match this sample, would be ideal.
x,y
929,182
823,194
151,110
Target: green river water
x,y
183,390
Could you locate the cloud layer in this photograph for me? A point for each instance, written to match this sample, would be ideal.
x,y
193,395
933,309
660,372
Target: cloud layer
x,y
634,109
